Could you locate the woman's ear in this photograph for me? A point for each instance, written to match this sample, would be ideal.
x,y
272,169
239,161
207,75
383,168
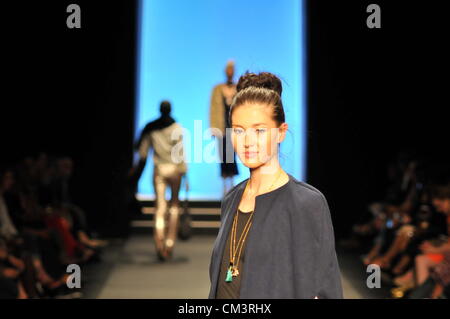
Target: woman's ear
x,y
282,132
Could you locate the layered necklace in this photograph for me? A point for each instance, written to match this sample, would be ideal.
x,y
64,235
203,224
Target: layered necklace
x,y
237,249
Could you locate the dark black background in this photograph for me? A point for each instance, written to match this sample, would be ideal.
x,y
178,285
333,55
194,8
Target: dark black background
x,y
371,93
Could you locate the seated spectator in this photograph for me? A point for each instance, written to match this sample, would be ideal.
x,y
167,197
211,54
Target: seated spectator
x,y
41,229
61,196
391,218
10,270
417,227
430,275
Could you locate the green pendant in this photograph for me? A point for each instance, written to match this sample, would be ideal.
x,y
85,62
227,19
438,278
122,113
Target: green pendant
x,y
229,275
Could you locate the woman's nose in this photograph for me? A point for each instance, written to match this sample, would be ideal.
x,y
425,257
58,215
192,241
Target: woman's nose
x,y
250,138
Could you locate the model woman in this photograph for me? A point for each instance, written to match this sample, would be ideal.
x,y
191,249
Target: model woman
x,y
276,238
221,99
168,171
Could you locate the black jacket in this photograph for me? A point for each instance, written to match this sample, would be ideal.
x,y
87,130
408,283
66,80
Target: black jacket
x,y
290,251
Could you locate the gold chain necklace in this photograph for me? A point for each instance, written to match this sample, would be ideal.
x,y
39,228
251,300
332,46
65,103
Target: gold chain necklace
x,y
233,267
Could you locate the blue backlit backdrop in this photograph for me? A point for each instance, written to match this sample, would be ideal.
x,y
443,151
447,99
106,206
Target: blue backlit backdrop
x,y
183,47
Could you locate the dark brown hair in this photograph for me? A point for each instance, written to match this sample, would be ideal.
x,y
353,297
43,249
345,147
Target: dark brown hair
x,y
262,88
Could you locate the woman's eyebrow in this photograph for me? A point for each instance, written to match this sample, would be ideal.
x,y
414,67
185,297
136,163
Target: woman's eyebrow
x,y
256,124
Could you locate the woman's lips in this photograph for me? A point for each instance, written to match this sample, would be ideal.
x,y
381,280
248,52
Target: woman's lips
x,y
250,154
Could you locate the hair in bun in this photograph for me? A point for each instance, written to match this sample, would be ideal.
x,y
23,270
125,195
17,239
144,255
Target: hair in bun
x,y
263,88
262,80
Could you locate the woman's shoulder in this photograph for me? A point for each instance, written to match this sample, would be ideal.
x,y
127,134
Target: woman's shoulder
x,y
234,189
304,188
305,195
308,208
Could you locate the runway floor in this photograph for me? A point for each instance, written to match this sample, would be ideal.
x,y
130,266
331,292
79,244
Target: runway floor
x,y
130,270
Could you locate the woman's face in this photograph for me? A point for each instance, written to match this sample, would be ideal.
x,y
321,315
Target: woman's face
x,y
255,135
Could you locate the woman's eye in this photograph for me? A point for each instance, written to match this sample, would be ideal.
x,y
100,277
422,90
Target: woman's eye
x,y
240,131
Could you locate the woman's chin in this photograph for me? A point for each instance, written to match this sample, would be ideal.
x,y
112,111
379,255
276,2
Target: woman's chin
x,y
252,164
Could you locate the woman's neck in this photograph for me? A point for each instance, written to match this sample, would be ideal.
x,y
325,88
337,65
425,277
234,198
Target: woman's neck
x,y
265,177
